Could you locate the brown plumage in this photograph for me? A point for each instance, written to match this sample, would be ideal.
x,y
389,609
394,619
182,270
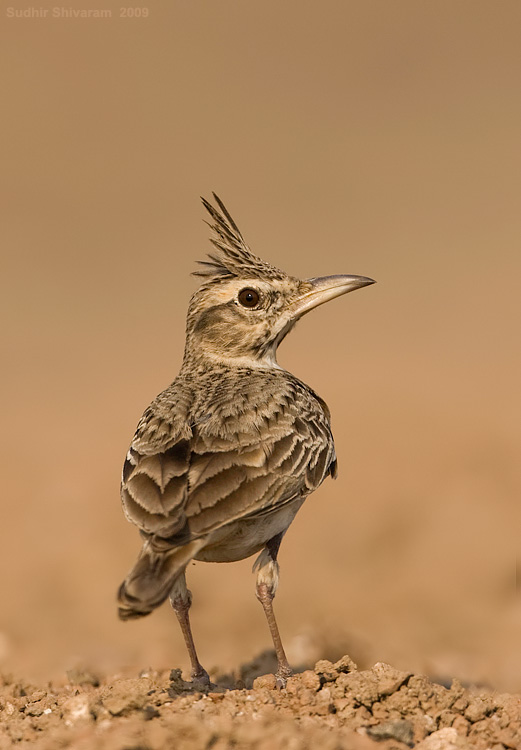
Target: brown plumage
x,y
223,459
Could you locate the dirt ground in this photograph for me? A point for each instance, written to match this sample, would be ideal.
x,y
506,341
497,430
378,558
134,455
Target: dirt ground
x,y
334,706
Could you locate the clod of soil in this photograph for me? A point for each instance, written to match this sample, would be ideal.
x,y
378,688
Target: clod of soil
x,y
333,706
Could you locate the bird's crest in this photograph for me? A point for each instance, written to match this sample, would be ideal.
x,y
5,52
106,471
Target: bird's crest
x,y
232,256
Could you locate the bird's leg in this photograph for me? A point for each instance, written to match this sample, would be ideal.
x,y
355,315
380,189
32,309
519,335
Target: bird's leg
x,y
267,582
181,600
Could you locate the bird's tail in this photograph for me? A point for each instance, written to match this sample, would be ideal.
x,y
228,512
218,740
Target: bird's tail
x,y
151,579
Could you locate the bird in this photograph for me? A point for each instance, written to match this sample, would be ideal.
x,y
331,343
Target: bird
x,y
223,459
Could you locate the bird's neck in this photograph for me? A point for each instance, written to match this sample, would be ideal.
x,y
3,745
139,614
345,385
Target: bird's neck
x,y
205,359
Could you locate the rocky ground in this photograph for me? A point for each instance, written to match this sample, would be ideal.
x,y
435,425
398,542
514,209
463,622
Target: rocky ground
x,y
333,706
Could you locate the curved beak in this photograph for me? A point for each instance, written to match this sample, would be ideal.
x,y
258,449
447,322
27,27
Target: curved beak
x,y
322,289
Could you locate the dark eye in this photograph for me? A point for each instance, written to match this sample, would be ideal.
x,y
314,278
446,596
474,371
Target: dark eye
x,y
249,297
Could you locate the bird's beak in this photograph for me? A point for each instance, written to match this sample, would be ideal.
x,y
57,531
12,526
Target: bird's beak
x,y
322,289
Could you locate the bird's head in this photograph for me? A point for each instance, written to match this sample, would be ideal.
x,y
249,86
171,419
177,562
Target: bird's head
x,y
245,306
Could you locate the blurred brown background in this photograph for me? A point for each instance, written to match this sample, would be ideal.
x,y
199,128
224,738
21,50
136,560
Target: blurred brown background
x,y
357,136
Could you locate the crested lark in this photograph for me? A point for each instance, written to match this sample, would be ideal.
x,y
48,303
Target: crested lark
x,y
223,459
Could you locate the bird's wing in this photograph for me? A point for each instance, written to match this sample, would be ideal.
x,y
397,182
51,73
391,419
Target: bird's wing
x,y
241,464
254,472
154,481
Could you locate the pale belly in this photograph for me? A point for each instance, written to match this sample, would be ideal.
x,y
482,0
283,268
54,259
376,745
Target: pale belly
x,y
245,537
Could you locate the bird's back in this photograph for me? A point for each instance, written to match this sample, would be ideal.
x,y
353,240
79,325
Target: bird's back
x,y
226,447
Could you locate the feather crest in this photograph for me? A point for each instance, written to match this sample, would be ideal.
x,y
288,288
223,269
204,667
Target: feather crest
x,y
232,256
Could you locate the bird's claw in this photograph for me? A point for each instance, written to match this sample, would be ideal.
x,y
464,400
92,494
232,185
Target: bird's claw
x,y
281,677
201,679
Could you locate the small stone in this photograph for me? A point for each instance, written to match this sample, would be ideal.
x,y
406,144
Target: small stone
x,y
443,739
460,705
77,709
326,670
293,685
325,695
402,731
323,665
345,709
345,665
389,679
461,725
124,696
310,680
266,681
446,719
477,709
361,687
34,709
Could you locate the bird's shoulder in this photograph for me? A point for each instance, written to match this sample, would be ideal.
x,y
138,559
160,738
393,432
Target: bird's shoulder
x,y
227,409
166,420
242,391
222,401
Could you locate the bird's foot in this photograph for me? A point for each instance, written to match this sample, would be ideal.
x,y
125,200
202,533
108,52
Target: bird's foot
x,y
201,679
283,672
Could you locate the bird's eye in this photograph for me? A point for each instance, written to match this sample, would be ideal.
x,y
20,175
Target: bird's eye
x,y
249,297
